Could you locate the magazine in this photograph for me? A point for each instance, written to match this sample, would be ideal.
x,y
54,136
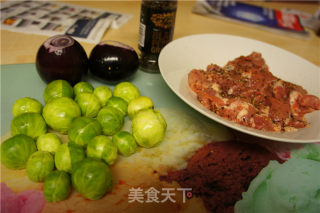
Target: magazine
x,y
255,16
52,18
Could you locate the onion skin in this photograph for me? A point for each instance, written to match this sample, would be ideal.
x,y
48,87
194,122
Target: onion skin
x,y
62,57
112,61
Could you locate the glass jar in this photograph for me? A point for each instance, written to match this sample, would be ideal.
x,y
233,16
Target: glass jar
x,y
157,19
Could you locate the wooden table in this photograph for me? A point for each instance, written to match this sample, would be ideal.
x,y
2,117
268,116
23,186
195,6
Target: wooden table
x,y
22,48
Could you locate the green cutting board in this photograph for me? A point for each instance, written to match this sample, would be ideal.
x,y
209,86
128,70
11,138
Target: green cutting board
x,y
22,80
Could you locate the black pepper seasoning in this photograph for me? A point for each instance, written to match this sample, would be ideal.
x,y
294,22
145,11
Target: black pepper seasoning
x,y
157,21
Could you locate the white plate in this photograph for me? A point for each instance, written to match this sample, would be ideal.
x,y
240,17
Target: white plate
x,y
180,56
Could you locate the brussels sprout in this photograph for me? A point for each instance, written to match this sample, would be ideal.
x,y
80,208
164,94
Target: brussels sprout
x,y
82,87
125,142
16,151
110,119
83,129
60,112
101,147
68,155
57,186
92,178
48,142
57,89
119,104
148,128
25,105
39,165
103,93
31,124
126,90
137,104
89,104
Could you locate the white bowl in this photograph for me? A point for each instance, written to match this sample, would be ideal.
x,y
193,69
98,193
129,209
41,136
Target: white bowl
x,y
180,56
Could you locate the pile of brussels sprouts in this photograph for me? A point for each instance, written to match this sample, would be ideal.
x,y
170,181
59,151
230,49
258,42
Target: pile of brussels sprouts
x,y
92,118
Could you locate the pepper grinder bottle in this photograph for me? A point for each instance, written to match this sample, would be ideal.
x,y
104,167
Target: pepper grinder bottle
x,y
157,19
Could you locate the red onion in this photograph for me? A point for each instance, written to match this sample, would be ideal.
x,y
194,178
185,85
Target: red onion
x,y
113,61
62,57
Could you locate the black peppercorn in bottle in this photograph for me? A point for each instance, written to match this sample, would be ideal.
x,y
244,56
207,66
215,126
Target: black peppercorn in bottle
x,y
156,28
